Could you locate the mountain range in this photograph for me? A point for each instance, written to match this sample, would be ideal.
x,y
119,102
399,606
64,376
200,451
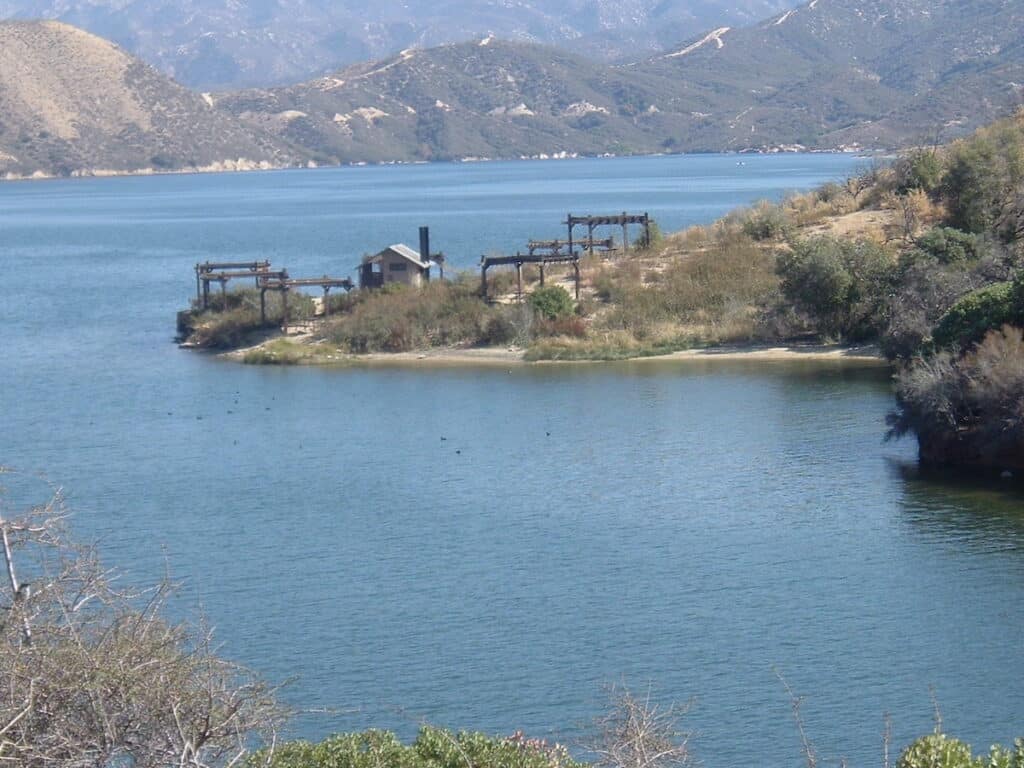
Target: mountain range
x,y
828,74
217,45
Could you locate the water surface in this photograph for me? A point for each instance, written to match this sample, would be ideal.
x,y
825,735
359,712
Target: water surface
x,y
487,547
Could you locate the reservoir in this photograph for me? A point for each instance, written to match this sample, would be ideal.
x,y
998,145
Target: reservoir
x,y
487,548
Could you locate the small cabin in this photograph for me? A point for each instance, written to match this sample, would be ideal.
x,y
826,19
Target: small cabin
x,y
395,264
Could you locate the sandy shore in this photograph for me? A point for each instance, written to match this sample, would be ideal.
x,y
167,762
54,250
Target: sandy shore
x,y
864,356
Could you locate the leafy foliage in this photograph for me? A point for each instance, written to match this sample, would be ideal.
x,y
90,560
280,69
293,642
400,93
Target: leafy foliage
x,y
975,314
948,245
552,302
840,284
433,748
940,751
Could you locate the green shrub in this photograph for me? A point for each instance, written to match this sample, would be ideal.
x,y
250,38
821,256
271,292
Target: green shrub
x,y
653,237
967,321
551,302
840,284
937,751
921,169
951,246
433,748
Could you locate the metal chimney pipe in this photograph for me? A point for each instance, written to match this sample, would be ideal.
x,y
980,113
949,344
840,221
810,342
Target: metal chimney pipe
x,y
424,244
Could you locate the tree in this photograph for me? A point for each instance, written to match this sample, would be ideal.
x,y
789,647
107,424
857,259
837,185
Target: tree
x,y
841,285
91,675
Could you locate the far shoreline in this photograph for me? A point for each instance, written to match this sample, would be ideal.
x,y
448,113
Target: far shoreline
x,y
103,173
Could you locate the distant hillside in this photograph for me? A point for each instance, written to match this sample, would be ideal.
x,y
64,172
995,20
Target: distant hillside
x,y
484,99
71,102
870,72
217,45
829,74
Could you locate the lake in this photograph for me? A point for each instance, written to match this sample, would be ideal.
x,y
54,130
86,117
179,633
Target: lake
x,y
486,547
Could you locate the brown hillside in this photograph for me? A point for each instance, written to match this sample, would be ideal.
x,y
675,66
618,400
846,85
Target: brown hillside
x,y
72,103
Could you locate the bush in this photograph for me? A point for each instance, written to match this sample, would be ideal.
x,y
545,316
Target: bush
x,y
951,246
93,675
841,285
926,291
433,748
939,751
976,314
968,410
233,317
551,302
766,222
401,319
921,169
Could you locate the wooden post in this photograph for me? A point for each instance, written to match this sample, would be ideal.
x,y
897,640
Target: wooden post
x,y
206,294
199,288
284,314
519,280
483,280
576,268
647,229
263,306
542,274
223,295
590,237
625,234
327,290
568,220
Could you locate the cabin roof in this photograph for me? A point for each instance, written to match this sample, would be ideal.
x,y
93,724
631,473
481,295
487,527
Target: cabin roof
x,y
402,250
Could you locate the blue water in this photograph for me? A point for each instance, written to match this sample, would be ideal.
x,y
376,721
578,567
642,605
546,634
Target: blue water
x,y
693,527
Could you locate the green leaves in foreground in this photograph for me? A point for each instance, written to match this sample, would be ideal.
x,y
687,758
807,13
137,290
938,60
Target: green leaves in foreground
x,y
433,748
940,751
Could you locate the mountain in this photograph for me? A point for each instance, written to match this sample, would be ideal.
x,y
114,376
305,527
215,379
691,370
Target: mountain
x,y
211,44
484,99
870,72
71,102
828,74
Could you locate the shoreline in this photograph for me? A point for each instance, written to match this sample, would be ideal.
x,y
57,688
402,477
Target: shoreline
x,y
267,167
855,356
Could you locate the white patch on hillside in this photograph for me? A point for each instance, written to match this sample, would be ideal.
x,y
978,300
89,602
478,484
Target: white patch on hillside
x,y
812,5
714,36
208,98
442,106
291,114
370,114
486,41
581,108
784,17
520,110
